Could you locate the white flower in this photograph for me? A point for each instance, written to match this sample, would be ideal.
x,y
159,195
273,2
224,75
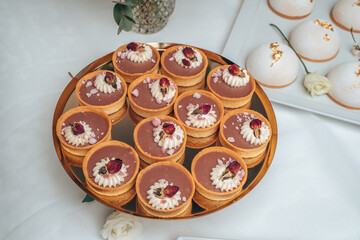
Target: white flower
x,y
317,84
120,226
355,50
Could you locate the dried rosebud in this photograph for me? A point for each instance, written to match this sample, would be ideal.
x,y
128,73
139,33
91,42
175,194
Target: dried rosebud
x,y
203,109
164,86
188,52
234,167
114,166
110,79
234,70
133,46
169,128
186,62
170,191
255,123
77,128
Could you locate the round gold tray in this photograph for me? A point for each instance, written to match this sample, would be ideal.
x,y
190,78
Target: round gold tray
x,y
123,128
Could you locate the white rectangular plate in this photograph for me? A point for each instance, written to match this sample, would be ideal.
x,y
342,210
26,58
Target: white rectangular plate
x,y
251,28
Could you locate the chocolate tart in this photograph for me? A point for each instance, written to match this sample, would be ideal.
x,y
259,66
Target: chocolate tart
x,y
172,184
184,77
144,164
231,97
207,104
130,70
96,130
230,134
170,131
142,100
89,95
211,165
107,157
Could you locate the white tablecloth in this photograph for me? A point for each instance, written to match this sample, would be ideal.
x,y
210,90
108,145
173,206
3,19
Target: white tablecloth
x,y
311,190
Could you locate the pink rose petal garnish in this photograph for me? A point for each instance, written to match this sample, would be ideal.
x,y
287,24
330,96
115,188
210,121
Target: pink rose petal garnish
x,y
171,152
92,141
93,91
197,95
231,139
88,94
135,92
156,122
88,84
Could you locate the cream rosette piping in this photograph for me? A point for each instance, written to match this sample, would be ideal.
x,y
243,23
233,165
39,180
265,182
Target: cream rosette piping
x,y
140,56
88,136
157,91
168,141
235,81
109,180
103,86
248,133
193,63
164,203
225,184
200,119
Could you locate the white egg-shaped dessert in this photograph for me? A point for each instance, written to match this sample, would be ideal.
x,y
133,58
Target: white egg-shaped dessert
x,y
291,9
315,40
346,14
273,65
345,88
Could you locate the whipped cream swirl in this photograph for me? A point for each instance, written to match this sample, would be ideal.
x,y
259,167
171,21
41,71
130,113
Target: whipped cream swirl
x,y
225,184
88,136
159,95
199,120
248,133
235,81
108,179
194,62
166,141
165,203
103,86
140,56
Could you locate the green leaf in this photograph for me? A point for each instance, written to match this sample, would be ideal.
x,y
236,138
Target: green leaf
x,y
118,13
121,25
88,198
124,3
130,19
127,11
131,1
127,24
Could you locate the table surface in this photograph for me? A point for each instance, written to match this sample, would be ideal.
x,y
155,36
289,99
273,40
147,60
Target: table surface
x,y
311,190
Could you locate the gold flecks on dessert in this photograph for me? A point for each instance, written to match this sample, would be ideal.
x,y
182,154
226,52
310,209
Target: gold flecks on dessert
x,y
358,72
324,24
357,3
277,53
326,37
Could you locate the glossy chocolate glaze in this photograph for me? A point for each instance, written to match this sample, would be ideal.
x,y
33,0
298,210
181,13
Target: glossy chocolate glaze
x,y
170,174
146,141
133,67
204,166
125,154
97,123
99,98
233,129
145,99
183,103
221,88
175,68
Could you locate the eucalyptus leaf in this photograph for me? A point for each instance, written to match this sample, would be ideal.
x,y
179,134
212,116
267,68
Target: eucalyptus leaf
x,y
118,13
88,198
127,24
121,25
127,11
129,18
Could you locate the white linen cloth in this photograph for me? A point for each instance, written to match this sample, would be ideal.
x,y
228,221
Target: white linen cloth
x,y
311,190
